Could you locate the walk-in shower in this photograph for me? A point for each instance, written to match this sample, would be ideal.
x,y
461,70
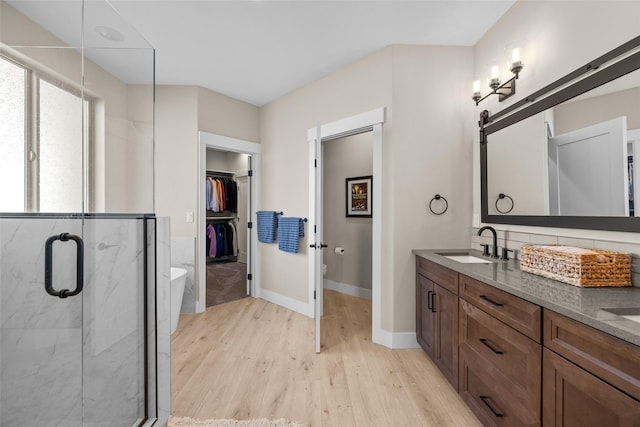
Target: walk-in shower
x,y
84,319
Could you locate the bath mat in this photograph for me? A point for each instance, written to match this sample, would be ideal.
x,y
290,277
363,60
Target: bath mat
x,y
190,422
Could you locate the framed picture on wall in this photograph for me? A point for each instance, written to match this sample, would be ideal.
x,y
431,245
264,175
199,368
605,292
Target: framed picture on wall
x,y
358,194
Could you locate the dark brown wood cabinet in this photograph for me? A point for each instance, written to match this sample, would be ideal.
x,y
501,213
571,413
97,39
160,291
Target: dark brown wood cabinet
x,y
516,364
574,397
500,367
437,316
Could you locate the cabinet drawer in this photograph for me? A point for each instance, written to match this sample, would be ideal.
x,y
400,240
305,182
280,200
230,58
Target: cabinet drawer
x,y
443,276
611,359
521,315
512,353
490,395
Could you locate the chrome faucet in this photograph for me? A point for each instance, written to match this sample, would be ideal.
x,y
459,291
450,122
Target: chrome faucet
x,y
494,252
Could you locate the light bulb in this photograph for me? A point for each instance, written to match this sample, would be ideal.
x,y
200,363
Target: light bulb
x,y
515,55
476,86
495,72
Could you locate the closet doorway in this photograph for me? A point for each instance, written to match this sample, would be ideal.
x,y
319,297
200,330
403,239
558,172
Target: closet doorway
x,y
226,254
227,187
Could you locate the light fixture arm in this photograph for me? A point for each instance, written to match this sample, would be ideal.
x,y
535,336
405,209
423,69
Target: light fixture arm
x,y
504,91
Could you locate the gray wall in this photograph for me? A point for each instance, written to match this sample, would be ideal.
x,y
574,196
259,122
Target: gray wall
x,y
345,158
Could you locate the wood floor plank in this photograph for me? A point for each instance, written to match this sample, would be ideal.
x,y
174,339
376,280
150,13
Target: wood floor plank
x,y
252,359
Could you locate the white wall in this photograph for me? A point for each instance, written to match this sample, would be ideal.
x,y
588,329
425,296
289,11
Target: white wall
x,y
555,38
346,158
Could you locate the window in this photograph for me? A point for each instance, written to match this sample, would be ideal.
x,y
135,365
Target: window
x,y
44,141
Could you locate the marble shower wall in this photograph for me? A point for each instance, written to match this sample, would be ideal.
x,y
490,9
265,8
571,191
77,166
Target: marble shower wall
x,y
183,254
78,361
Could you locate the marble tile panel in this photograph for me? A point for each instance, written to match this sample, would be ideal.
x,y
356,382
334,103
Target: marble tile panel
x,y
183,255
41,377
163,309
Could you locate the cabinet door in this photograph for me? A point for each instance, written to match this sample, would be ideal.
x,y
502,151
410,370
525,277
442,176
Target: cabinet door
x,y
426,317
445,308
574,397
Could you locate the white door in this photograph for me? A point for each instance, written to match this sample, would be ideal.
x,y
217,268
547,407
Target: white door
x,y
364,122
315,241
243,217
588,171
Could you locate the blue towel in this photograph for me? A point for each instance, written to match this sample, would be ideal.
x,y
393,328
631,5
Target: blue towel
x,y
290,230
267,225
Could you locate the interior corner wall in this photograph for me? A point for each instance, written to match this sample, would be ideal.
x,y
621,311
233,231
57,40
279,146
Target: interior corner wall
x,y
226,116
360,87
344,158
554,38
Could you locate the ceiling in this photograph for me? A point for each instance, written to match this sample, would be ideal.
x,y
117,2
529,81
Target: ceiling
x,y
258,51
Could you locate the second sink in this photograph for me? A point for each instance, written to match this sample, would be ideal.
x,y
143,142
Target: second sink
x,y
465,258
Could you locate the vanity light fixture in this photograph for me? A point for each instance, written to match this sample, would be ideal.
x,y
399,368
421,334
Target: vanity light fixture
x,y
504,90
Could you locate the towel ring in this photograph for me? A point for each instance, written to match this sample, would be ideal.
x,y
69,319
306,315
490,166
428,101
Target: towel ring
x,y
504,196
438,197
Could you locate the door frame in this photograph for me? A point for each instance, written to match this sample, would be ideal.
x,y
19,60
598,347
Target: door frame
x,y
225,143
370,121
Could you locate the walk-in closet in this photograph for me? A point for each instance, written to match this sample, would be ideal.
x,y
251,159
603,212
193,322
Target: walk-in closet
x,y
227,193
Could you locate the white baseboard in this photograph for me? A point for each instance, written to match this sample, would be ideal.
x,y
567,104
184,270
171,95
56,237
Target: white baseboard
x,y
347,289
287,302
396,340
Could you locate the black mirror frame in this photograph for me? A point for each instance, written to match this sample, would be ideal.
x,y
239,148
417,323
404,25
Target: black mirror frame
x,y
566,88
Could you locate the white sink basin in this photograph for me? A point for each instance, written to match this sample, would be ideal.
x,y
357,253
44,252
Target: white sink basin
x,y
632,314
467,259
633,317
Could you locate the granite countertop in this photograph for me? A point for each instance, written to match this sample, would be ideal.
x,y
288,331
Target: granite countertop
x,y
595,306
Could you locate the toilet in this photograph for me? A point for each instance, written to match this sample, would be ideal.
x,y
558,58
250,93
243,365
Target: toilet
x,y
178,279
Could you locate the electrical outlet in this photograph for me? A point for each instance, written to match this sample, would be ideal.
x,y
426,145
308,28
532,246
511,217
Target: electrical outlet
x,y
189,217
476,220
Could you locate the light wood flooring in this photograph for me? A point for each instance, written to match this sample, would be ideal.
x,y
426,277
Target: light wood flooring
x,y
253,359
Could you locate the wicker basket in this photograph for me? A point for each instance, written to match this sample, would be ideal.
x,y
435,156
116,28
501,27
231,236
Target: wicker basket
x,y
577,266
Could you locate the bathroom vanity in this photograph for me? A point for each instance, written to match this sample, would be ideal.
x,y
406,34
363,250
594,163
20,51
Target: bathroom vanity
x,y
525,350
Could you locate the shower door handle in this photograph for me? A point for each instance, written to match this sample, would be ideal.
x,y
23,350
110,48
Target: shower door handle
x,y
48,265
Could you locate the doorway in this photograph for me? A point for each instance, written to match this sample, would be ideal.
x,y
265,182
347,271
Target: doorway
x,y
226,209
226,244
348,235
370,121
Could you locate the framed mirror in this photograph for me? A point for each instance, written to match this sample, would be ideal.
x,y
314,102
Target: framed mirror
x,y
568,155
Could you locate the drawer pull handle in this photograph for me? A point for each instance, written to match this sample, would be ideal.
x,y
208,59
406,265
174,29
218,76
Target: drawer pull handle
x,y
485,400
433,302
489,346
490,301
429,300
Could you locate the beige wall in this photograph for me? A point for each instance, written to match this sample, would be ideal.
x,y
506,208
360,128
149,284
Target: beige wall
x,y
346,158
176,160
226,116
181,112
431,154
555,38
363,86
426,150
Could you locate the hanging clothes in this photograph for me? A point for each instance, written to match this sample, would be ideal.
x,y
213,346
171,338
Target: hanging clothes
x,y
222,240
221,194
